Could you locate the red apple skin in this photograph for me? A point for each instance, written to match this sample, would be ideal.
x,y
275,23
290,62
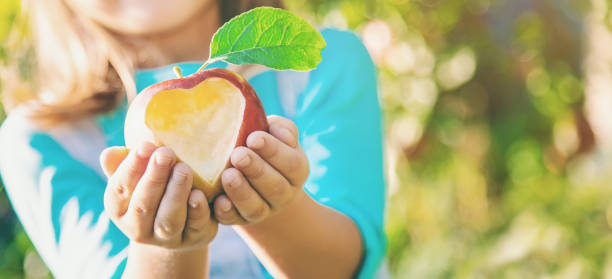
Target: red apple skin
x,y
136,131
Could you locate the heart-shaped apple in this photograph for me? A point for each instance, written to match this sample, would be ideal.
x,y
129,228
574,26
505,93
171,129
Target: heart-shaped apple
x,y
201,117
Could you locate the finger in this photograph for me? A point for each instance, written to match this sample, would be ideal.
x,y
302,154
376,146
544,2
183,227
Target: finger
x,y
172,211
290,162
284,129
199,227
111,157
248,202
225,212
268,182
121,184
148,193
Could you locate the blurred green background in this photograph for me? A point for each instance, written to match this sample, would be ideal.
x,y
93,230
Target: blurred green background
x,y
498,135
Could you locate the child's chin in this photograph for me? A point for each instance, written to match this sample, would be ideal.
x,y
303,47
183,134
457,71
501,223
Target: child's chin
x,y
135,17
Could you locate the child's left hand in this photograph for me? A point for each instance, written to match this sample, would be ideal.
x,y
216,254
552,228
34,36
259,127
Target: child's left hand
x,y
266,177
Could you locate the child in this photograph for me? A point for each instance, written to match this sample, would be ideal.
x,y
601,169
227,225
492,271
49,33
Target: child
x,y
302,201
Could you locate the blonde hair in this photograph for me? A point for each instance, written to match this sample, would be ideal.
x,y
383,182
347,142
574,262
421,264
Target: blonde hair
x,y
63,66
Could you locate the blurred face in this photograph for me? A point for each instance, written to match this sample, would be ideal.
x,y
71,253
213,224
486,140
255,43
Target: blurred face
x,y
140,17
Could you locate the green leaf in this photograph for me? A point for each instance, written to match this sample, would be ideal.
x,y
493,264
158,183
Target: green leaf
x,y
271,37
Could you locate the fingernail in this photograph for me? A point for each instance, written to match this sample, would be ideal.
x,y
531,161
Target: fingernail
x,y
286,136
235,182
196,198
257,143
194,204
162,159
145,150
231,179
244,161
180,173
225,205
179,177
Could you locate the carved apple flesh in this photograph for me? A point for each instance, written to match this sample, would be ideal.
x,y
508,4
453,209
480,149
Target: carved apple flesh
x,y
201,117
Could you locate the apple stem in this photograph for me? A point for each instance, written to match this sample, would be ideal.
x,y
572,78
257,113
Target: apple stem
x,y
177,72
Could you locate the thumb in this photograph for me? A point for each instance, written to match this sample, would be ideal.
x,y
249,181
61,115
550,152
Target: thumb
x,y
111,157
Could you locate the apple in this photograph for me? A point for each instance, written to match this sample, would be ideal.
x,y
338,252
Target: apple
x,y
201,117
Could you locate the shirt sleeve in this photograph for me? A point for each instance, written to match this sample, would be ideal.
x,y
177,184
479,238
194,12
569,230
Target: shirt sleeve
x,y
339,119
59,202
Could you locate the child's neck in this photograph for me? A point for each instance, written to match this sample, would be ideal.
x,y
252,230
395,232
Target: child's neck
x,y
188,42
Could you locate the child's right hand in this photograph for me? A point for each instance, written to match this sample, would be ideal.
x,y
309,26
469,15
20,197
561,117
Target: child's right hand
x,y
150,198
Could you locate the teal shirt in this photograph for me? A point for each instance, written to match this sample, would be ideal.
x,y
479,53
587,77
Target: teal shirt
x,y
56,186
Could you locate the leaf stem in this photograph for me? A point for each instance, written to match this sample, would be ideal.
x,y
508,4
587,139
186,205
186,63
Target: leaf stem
x,y
204,65
211,61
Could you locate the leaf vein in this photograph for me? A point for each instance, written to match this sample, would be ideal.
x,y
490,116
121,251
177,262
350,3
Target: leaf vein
x,y
244,30
264,32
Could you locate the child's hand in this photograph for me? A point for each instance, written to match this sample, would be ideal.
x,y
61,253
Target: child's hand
x,y
149,197
267,175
